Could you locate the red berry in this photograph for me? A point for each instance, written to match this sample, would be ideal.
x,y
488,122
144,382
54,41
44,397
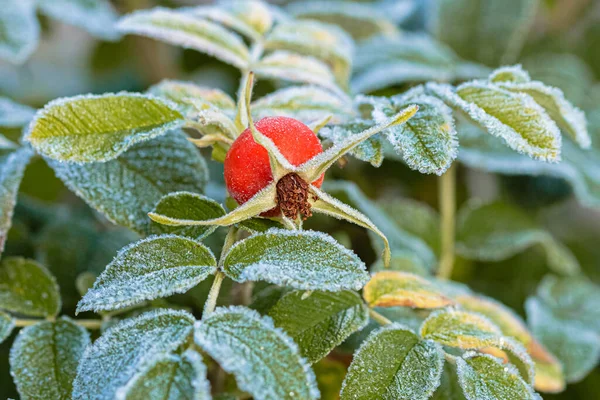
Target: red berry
x,y
247,168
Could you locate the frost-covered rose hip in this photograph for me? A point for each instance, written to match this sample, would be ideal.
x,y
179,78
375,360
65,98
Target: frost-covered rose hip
x,y
247,168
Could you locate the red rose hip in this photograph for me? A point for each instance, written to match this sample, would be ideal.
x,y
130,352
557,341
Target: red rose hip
x,y
247,168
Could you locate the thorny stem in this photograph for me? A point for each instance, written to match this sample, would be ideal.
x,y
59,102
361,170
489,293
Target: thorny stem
x,y
381,320
447,201
86,323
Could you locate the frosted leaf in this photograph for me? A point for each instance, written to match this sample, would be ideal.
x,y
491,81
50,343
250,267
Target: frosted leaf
x,y
427,142
44,358
579,167
394,363
14,115
398,238
515,117
482,376
98,17
510,74
264,360
319,322
371,150
182,29
359,20
403,261
169,376
211,121
6,326
469,330
27,288
158,266
94,128
297,68
181,92
13,161
124,348
300,259
497,231
549,376
571,341
415,217
388,61
305,103
190,206
258,225
327,42
570,118
394,288
487,31
20,30
251,18
127,188
449,388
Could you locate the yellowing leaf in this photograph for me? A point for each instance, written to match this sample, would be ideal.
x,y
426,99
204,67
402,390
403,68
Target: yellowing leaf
x,y
395,288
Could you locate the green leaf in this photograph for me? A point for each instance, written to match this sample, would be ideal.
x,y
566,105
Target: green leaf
x,y
391,61
428,141
394,288
300,259
319,322
264,360
27,288
6,326
398,238
187,206
158,266
305,103
185,30
403,261
250,18
127,188
99,127
20,30
484,30
14,115
482,376
123,349
44,359
394,363
570,118
468,330
312,38
169,376
482,151
497,231
359,20
98,17
293,67
13,161
515,117
371,150
181,93
449,388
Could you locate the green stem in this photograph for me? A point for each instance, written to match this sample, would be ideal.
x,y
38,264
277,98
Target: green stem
x,y
447,201
381,320
256,53
86,323
211,301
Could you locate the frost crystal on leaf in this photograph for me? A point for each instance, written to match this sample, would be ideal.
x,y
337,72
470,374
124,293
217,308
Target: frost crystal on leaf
x,y
301,259
264,360
151,268
123,349
20,28
14,115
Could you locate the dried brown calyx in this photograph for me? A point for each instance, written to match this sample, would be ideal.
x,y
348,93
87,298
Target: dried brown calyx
x,y
292,196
